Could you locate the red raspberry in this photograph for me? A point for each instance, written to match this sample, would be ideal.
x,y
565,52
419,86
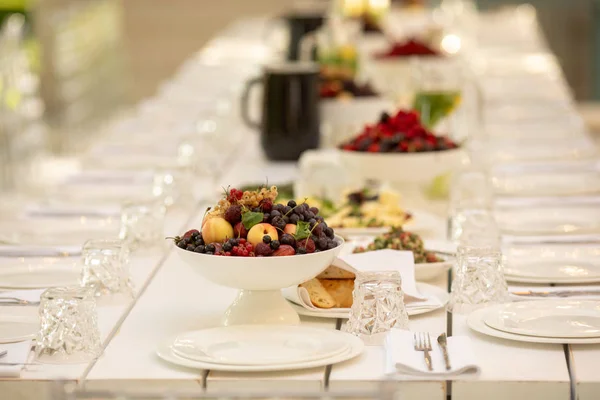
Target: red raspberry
x,y
242,241
374,148
228,253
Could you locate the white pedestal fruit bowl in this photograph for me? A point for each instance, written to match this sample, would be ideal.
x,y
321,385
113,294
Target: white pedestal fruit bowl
x,y
260,280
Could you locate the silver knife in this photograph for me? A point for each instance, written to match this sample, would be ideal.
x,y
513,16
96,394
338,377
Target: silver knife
x,y
558,293
444,346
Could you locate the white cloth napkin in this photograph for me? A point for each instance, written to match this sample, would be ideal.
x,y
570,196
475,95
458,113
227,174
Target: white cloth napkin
x,y
379,260
29,295
39,251
17,353
401,356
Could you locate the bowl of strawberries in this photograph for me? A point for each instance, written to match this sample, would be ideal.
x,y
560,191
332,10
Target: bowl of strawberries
x,y
251,243
400,149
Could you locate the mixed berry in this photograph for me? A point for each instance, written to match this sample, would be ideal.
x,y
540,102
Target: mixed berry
x,y
249,224
398,239
401,133
411,47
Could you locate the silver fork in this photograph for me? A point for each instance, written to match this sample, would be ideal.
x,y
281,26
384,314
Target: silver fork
x,y
423,343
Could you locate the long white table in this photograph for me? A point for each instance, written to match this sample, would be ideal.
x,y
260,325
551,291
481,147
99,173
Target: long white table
x,y
174,298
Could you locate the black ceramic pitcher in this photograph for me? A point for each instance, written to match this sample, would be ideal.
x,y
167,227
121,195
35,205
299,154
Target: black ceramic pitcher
x,y
290,109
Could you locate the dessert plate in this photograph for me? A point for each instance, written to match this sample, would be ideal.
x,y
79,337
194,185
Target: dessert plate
x,y
259,345
555,318
17,328
476,323
430,291
552,263
38,277
549,220
356,347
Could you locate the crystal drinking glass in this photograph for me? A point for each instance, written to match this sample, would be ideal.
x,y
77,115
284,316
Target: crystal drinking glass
x,y
378,306
68,326
105,267
471,218
142,223
479,279
174,184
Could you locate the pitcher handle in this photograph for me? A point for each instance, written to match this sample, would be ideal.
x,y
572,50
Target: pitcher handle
x,y
244,106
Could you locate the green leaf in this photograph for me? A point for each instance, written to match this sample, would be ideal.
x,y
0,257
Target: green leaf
x,y
435,106
302,230
249,219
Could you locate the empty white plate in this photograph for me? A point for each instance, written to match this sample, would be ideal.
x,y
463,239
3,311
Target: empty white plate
x,y
259,345
548,318
552,263
356,347
16,329
38,277
549,220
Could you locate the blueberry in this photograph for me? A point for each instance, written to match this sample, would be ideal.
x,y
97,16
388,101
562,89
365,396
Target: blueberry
x,y
227,246
267,239
309,214
190,247
331,245
181,244
199,249
275,244
210,247
266,217
287,209
294,218
322,243
312,222
275,213
301,250
301,217
314,210
209,252
329,232
286,219
291,204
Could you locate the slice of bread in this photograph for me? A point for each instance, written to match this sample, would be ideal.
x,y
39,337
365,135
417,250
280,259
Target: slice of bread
x,y
333,272
318,295
340,290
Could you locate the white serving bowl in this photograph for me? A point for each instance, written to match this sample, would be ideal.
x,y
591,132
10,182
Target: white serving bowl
x,y
412,168
260,280
342,118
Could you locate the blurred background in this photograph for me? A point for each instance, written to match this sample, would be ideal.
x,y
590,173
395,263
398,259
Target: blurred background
x,y
70,63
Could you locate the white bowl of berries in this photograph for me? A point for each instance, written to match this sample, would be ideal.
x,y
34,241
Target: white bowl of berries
x,y
399,149
249,243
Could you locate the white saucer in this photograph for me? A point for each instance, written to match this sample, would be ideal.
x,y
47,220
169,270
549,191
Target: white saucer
x,y
549,271
165,352
424,288
259,345
17,328
476,323
421,222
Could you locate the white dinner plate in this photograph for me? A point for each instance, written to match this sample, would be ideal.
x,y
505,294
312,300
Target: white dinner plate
x,y
542,183
259,345
476,323
17,328
552,263
38,277
549,220
426,289
356,347
558,318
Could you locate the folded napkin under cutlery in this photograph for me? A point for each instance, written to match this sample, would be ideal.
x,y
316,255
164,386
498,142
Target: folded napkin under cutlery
x,y
16,357
402,358
379,260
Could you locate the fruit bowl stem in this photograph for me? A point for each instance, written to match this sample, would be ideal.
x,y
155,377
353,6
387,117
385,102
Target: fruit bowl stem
x,y
260,307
